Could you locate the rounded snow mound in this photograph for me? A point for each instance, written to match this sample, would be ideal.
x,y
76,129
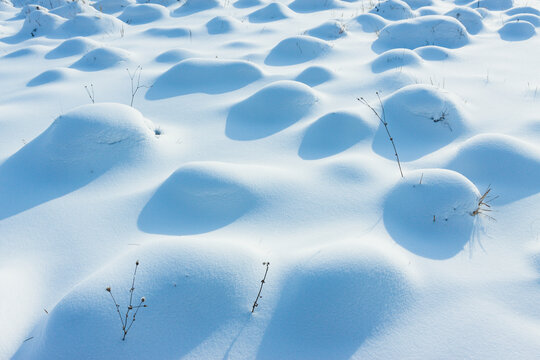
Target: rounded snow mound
x,y
371,22
175,55
221,25
195,199
71,47
208,76
39,22
143,14
72,9
330,30
517,31
421,119
511,166
76,149
523,10
494,5
190,292
194,6
91,24
533,19
432,53
346,294
243,4
296,50
416,4
470,18
271,12
48,4
332,134
429,212
307,6
395,58
170,32
101,58
393,10
270,110
315,75
50,76
112,6
437,30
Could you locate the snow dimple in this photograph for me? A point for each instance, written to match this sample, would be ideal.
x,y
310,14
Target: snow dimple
x,y
429,213
334,302
437,30
332,134
270,110
197,198
208,76
421,119
101,58
297,50
512,160
77,148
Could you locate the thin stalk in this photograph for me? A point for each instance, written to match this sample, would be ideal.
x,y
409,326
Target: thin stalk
x,y
256,303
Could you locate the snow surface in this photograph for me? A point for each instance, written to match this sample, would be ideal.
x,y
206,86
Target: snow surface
x,y
246,143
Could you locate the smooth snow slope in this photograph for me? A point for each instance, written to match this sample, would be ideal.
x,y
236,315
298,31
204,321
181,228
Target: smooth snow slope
x,y
246,143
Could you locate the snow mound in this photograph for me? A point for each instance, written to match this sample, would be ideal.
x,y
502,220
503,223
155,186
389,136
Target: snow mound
x,y
470,18
175,55
77,148
39,22
190,294
395,58
330,30
270,110
393,10
50,76
28,51
48,4
112,6
315,75
195,6
158,2
421,119
222,25
70,10
71,47
371,22
511,166
88,25
432,53
243,4
517,31
195,199
493,5
208,76
101,58
307,6
336,300
437,30
143,14
271,12
296,50
332,134
416,4
429,212
531,18
523,10
170,32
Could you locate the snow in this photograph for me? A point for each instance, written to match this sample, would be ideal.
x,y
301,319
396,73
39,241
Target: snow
x,y
246,142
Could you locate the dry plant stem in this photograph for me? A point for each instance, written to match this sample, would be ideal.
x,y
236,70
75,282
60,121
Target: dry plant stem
x,y
256,303
91,93
383,121
483,204
135,86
